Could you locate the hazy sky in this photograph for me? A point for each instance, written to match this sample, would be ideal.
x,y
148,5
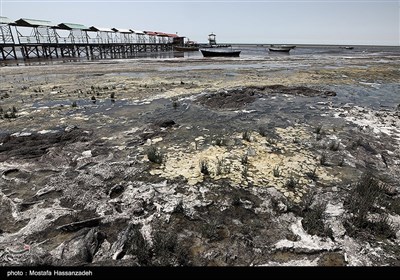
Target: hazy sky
x,y
293,22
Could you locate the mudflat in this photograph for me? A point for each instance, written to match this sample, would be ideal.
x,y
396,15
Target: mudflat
x,y
278,161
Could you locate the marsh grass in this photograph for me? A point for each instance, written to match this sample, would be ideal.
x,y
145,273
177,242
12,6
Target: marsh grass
x,y
137,245
313,221
222,167
366,197
244,159
245,171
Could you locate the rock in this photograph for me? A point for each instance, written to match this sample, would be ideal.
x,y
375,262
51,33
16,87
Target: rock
x,y
166,123
307,244
87,154
116,191
70,128
251,152
80,248
7,214
129,241
137,207
103,252
281,207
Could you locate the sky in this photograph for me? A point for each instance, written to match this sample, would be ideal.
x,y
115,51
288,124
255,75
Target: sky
x,y
353,22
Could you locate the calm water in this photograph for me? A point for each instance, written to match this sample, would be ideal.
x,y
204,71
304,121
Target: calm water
x,y
248,52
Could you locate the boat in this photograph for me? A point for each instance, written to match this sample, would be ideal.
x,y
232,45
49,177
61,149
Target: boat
x,y
281,48
347,47
220,53
186,48
189,46
205,46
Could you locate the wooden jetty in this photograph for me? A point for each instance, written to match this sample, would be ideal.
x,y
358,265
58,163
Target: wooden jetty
x,y
44,39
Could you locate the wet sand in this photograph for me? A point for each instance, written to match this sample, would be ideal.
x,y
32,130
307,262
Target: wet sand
x,y
238,148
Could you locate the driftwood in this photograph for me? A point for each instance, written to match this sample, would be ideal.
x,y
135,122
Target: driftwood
x,y
81,224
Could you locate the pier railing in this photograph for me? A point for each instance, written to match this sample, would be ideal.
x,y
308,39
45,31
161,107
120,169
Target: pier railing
x,y
43,39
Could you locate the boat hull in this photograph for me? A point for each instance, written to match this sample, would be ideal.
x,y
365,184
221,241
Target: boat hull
x,y
186,49
281,48
208,53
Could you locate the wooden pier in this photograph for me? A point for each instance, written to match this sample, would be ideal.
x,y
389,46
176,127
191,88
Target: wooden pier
x,y
43,39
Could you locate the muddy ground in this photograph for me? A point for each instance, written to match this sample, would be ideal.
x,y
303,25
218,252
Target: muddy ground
x,y
201,162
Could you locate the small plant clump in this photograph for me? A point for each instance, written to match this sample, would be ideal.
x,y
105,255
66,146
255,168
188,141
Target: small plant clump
x,y
221,142
366,197
277,172
244,159
318,129
263,131
245,171
246,135
204,169
9,114
334,146
175,104
222,167
312,174
323,160
292,183
154,155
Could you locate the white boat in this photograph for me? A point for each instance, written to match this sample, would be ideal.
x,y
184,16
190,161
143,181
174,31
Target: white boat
x,y
281,48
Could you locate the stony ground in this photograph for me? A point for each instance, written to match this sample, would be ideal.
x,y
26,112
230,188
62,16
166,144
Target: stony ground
x,y
283,161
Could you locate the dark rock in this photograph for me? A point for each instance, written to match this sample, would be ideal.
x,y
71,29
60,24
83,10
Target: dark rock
x,y
7,222
36,145
116,191
166,123
131,241
138,207
81,247
237,98
229,99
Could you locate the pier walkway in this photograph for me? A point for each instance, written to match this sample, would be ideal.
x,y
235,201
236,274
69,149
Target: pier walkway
x,y
43,39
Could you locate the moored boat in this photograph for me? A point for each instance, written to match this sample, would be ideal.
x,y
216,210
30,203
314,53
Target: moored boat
x,y
220,53
281,48
186,48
